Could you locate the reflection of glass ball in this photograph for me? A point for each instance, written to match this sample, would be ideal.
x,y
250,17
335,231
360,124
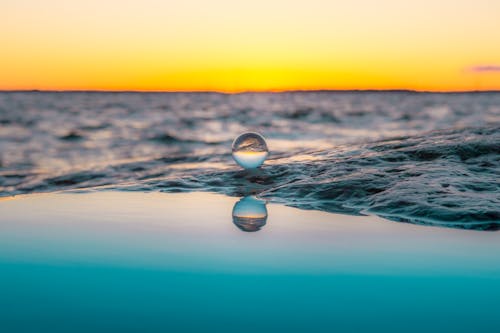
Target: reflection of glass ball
x,y
250,214
250,150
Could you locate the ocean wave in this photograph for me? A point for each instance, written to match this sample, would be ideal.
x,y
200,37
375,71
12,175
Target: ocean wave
x,y
430,179
382,154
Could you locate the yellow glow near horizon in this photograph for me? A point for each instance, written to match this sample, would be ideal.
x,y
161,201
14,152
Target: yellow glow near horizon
x,y
257,45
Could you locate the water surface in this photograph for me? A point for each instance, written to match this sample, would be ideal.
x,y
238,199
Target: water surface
x,y
130,261
412,157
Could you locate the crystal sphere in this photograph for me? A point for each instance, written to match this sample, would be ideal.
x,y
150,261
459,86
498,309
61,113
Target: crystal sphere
x,y
250,150
250,214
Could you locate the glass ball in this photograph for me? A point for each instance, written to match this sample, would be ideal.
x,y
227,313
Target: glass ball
x,y
250,150
250,214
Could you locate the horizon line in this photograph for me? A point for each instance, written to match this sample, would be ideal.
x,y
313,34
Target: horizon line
x,y
414,91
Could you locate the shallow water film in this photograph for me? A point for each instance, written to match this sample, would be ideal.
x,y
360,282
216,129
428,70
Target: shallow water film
x,y
411,157
116,261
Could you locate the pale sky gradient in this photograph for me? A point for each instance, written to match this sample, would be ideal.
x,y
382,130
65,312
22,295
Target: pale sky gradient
x,y
229,45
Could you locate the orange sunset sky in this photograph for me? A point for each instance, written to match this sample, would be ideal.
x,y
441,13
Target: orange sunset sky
x,y
232,46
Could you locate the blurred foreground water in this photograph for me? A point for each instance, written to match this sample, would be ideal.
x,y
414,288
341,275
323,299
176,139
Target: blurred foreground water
x,y
412,157
116,261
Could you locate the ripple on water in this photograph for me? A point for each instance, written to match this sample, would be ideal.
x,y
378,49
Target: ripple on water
x,y
418,158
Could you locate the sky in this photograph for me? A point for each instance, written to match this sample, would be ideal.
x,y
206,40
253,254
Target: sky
x,y
257,45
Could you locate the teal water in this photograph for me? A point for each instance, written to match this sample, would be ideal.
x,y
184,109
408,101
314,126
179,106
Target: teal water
x,y
80,298
134,262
